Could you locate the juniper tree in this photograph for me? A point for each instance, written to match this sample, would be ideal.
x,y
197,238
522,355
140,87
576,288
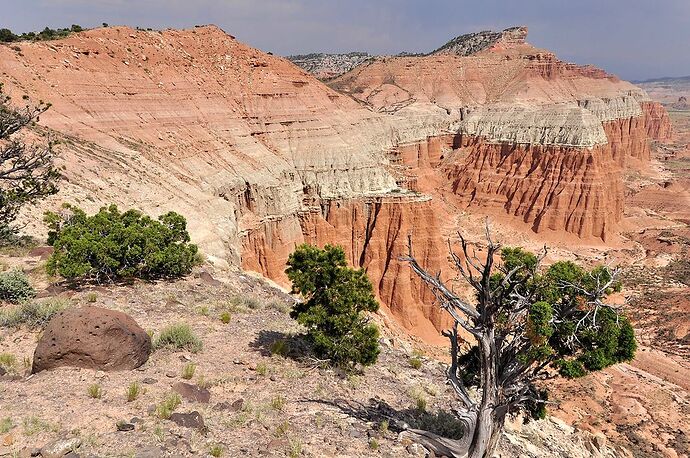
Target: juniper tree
x,y
527,324
336,298
27,172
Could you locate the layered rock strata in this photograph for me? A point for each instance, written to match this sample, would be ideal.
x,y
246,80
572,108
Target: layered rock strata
x,y
260,156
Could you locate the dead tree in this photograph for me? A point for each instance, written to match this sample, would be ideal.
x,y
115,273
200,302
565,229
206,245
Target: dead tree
x,y
525,326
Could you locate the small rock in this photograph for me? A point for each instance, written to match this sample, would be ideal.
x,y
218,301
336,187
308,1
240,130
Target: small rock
x,y
100,374
170,374
2,371
415,449
235,406
188,420
60,447
149,381
192,393
149,452
72,454
124,426
136,420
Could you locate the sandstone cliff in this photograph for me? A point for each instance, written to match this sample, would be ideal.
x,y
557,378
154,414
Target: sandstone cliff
x,y
537,138
260,156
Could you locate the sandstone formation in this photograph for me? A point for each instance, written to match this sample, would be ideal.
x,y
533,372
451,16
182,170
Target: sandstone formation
x,y
260,156
93,338
533,137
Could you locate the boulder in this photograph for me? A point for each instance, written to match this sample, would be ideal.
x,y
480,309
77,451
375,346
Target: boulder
x,y
60,448
93,338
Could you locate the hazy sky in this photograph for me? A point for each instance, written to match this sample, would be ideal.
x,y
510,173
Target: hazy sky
x,y
635,39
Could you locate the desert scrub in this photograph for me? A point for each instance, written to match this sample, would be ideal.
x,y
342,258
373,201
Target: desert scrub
x,y
32,314
280,347
8,362
133,391
111,245
15,287
415,362
225,317
179,336
95,391
34,425
262,369
216,450
188,371
5,425
91,297
278,403
168,406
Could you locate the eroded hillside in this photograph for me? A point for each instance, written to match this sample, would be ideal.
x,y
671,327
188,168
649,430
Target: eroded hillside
x,y
260,155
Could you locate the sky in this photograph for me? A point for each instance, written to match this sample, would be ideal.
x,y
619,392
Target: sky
x,y
635,39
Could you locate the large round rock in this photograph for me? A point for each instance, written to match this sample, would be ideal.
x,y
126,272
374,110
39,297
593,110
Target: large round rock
x,y
94,338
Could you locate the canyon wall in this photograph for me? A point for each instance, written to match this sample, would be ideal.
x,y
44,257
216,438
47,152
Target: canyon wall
x,y
261,156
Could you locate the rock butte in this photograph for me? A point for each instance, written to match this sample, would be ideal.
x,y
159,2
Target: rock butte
x,y
259,155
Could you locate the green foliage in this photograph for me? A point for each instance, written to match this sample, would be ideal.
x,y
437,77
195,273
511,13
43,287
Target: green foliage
x,y
133,391
168,406
7,36
563,324
336,299
8,362
179,336
6,424
34,315
111,245
15,287
95,391
188,371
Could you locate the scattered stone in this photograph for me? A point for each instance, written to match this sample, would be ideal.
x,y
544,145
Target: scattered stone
x,y
124,426
170,374
2,371
136,420
188,420
60,447
234,406
150,452
149,381
191,392
72,454
208,279
415,449
93,338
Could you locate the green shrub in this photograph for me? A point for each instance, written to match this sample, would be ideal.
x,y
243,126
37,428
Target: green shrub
x,y
133,391
216,450
8,362
179,336
15,287
415,362
225,317
5,425
111,245
34,315
188,371
95,391
280,347
336,299
168,406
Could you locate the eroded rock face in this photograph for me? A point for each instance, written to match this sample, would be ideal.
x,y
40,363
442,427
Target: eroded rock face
x,y
93,338
259,155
